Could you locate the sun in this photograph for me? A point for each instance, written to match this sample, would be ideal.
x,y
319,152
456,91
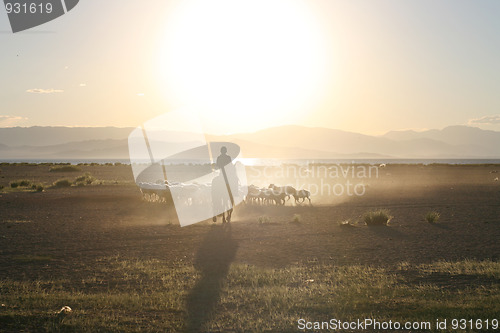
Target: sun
x,y
260,58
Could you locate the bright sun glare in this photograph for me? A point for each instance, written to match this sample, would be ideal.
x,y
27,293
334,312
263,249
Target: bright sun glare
x,y
261,58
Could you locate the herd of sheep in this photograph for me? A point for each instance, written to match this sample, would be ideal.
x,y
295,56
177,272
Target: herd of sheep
x,y
162,191
194,193
276,195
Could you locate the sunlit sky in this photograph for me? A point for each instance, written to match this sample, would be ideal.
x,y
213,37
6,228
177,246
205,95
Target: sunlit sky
x,y
361,66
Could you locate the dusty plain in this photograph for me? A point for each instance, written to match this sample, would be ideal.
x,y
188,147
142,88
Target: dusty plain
x,y
89,240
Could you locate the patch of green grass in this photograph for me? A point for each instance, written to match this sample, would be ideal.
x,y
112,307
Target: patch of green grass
x,y
38,187
432,217
65,168
25,185
296,218
155,295
80,179
377,217
62,183
465,267
86,179
20,183
263,219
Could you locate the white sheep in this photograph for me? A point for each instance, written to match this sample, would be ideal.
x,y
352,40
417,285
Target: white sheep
x,y
302,194
288,190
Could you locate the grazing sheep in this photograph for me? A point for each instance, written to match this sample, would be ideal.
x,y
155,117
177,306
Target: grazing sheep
x,y
302,194
278,197
147,194
265,195
164,195
495,180
288,190
151,192
253,194
273,194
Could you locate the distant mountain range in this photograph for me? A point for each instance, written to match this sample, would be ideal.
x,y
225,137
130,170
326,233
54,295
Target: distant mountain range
x,y
47,136
290,142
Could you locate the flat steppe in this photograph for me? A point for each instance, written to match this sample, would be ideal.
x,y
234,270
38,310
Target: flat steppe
x,y
67,233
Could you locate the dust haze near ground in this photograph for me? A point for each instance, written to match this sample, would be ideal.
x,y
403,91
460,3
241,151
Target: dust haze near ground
x,y
112,218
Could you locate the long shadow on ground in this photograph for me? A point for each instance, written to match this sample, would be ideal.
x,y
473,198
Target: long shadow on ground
x,y
213,259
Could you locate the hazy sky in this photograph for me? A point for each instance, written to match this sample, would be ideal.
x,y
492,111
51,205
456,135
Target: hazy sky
x,y
363,66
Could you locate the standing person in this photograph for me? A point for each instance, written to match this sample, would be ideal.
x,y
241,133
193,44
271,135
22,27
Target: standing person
x,y
224,187
223,158
228,170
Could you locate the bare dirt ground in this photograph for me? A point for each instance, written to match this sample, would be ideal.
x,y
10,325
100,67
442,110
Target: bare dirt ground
x,y
73,227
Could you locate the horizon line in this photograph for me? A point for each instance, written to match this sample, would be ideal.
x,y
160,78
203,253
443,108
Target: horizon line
x,y
260,130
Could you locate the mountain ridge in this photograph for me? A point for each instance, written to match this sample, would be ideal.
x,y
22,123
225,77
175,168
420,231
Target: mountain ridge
x,y
286,142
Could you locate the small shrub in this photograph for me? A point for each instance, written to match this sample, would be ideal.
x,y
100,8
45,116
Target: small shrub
x,y
87,178
24,183
263,219
432,217
1,187
80,179
296,218
65,168
20,183
37,187
62,183
377,217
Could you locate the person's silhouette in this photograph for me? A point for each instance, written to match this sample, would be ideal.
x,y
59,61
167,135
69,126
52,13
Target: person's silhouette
x,y
228,170
223,159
